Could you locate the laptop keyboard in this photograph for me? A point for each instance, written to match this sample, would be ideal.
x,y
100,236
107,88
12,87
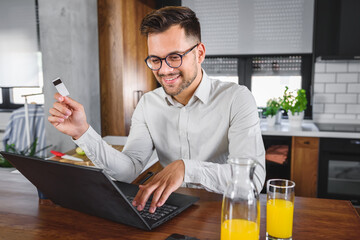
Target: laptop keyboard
x,y
160,212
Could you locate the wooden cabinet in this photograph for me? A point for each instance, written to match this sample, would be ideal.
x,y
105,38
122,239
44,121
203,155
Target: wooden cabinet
x,y
122,50
304,165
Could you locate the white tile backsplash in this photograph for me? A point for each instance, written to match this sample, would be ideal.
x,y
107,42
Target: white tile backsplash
x,y
325,78
324,98
353,108
317,117
320,67
354,88
347,77
336,91
335,88
319,87
318,108
335,108
346,98
345,116
354,67
336,67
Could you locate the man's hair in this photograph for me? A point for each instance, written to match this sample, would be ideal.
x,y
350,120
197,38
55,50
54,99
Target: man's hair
x,y
162,19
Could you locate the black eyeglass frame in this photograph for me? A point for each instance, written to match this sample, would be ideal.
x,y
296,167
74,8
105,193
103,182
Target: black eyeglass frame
x,y
161,59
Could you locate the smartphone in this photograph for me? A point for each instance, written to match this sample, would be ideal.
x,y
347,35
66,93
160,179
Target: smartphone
x,y
60,87
176,236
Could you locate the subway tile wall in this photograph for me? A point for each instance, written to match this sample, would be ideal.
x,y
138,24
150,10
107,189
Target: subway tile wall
x,y
337,92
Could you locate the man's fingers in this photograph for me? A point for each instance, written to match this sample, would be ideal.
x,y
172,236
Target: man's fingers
x,y
58,97
62,108
143,195
55,113
68,101
73,104
155,199
135,202
165,195
55,120
163,184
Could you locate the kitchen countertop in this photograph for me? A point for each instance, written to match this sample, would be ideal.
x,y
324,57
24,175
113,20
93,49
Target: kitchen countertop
x,y
307,129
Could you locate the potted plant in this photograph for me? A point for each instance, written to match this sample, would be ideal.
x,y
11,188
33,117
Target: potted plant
x,y
295,105
29,151
271,110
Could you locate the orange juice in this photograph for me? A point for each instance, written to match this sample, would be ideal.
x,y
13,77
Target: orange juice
x,y
239,229
279,218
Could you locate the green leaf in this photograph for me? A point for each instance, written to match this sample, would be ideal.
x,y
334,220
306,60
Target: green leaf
x,y
294,103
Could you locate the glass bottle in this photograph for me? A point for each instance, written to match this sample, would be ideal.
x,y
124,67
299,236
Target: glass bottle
x,y
240,217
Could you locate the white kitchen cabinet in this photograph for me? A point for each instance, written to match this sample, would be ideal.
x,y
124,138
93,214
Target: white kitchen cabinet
x,y
233,27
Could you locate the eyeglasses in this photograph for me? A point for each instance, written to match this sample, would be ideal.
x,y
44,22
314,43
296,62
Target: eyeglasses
x,y
173,60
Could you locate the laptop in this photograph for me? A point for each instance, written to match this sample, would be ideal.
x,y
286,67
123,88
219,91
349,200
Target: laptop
x,y
90,190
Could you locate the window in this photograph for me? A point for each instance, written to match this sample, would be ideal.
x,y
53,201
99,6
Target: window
x,y
265,76
266,87
20,58
270,75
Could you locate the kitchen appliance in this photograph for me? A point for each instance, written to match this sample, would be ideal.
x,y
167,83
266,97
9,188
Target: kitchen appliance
x,y
338,127
339,165
337,24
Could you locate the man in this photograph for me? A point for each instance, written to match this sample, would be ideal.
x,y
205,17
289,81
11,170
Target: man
x,y
194,123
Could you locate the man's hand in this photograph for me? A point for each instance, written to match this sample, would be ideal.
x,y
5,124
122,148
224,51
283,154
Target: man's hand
x,y
162,185
68,116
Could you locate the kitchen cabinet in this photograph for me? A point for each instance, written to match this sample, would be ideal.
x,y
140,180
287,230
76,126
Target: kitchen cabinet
x,y
123,73
337,34
249,27
304,165
300,166
274,169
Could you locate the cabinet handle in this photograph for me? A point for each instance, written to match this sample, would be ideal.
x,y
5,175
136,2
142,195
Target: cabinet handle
x,y
307,142
136,97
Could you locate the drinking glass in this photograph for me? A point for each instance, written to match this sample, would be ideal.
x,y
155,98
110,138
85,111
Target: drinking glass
x,y
279,209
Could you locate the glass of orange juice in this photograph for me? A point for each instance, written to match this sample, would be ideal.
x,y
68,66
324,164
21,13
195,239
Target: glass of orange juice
x,y
279,209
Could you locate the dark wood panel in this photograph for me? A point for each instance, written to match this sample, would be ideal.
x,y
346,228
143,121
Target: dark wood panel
x,y
122,50
304,165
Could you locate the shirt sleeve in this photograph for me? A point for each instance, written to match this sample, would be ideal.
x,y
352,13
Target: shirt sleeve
x,y
245,141
126,165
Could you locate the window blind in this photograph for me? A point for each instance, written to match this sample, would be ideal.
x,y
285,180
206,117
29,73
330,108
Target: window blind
x,y
276,65
221,66
20,59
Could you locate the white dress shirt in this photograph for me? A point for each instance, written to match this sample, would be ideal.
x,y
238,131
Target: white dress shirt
x,y
219,122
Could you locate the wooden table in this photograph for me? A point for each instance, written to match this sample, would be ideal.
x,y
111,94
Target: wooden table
x,y
21,217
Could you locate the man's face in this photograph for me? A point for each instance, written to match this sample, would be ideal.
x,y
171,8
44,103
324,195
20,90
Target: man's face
x,y
174,80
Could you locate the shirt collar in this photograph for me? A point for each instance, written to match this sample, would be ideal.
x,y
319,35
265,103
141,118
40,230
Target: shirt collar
x,y
202,92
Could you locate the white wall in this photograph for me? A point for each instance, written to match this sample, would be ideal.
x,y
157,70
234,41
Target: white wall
x,y
337,92
4,119
69,45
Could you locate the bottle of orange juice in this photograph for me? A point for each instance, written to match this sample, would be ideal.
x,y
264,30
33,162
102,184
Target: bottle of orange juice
x,y
240,217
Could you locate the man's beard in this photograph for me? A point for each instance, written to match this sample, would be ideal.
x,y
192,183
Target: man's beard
x,y
185,83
